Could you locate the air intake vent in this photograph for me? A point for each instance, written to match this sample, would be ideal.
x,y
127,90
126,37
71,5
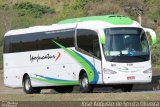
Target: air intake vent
x,y
116,16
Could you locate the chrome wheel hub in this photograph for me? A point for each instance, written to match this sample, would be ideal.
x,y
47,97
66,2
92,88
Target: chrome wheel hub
x,y
27,84
85,82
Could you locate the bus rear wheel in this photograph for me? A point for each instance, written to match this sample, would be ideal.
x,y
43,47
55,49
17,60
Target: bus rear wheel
x,y
27,87
127,88
85,87
64,89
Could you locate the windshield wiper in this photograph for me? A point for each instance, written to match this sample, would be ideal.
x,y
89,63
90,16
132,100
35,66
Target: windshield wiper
x,y
112,59
142,57
119,55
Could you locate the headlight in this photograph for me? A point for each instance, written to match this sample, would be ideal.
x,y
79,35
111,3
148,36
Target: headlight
x,y
148,71
108,71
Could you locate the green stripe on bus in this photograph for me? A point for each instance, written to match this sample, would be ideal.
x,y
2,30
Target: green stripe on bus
x,y
112,19
86,66
56,81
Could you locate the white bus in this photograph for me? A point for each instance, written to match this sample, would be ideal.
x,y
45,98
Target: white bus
x,y
87,51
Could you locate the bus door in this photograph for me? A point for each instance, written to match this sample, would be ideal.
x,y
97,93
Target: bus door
x,y
97,61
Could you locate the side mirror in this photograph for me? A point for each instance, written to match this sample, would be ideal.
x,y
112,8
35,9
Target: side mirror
x,y
102,37
152,34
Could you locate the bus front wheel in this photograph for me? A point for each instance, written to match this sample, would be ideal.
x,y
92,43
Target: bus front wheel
x,y
127,88
85,87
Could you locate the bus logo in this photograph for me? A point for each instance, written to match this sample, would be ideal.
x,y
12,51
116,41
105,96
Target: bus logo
x,y
58,56
44,57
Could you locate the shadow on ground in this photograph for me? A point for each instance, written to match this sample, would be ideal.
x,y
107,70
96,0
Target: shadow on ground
x,y
153,86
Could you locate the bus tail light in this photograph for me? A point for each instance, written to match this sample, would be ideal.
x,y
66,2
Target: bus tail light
x,y
108,71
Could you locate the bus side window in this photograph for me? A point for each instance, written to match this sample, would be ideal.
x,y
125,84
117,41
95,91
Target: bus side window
x,y
66,39
144,43
7,44
96,49
85,41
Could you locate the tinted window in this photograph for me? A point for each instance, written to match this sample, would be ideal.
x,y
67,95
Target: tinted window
x,y
25,42
38,41
7,45
64,38
87,40
126,45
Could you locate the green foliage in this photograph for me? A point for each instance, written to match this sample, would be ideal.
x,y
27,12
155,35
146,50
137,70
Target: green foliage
x,y
34,10
79,4
156,54
4,7
153,11
102,8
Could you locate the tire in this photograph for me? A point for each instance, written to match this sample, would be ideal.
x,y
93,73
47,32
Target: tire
x,y
127,88
85,87
64,89
27,86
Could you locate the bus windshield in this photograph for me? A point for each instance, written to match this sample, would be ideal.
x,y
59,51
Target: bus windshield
x,y
126,45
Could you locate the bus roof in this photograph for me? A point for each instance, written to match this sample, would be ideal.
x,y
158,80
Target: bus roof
x,y
35,29
91,22
112,19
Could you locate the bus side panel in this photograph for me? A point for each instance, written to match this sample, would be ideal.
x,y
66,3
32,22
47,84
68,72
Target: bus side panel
x,y
45,67
12,78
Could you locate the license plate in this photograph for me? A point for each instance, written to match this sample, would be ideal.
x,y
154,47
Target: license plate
x,y
131,78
